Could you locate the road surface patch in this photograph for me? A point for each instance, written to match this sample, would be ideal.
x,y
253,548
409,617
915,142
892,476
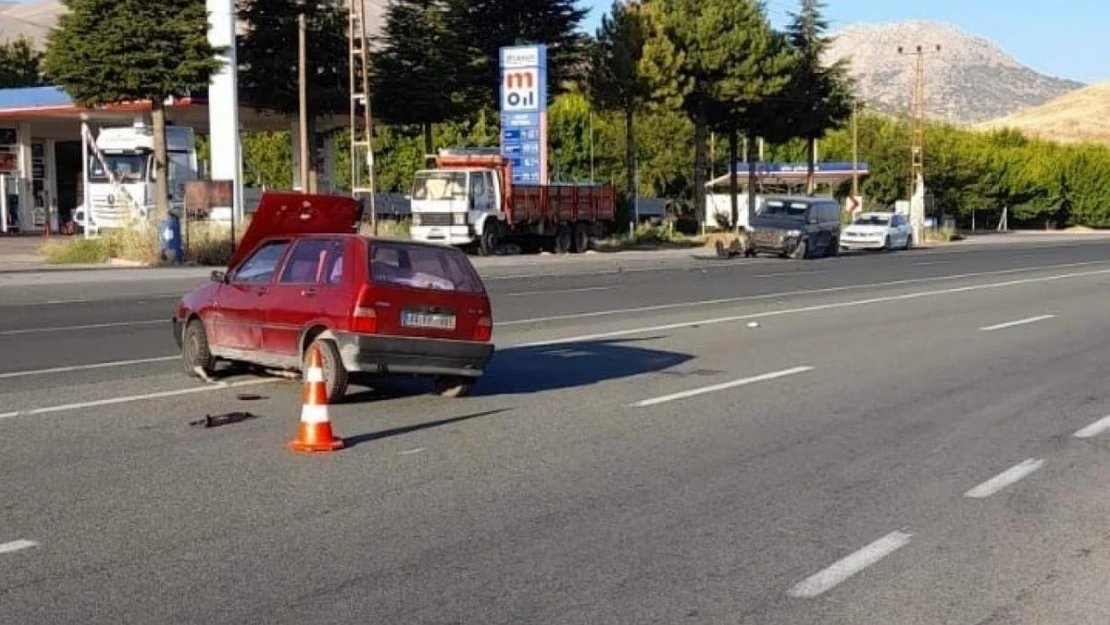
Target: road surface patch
x,y
1009,477
840,571
555,291
720,387
97,365
91,326
134,398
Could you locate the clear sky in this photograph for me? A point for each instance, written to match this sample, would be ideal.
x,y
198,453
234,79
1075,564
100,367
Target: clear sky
x,y
1065,38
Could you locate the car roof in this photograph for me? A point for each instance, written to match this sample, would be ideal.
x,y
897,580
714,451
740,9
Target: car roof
x,y
373,239
797,198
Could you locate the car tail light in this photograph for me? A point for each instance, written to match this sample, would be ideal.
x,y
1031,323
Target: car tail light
x,y
364,319
483,330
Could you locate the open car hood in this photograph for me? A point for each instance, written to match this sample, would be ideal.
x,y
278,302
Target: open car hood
x,y
284,213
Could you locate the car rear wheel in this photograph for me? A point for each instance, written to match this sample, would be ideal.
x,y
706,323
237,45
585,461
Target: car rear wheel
x,y
196,357
453,386
909,243
834,247
335,374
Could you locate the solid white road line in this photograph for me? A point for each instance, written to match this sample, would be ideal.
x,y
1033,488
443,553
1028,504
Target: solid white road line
x,y
411,451
721,387
1019,322
99,365
932,263
789,273
17,545
91,326
1094,429
754,298
134,398
553,291
840,571
808,309
1008,477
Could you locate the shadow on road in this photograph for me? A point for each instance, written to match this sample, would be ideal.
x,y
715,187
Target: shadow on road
x,y
351,441
523,370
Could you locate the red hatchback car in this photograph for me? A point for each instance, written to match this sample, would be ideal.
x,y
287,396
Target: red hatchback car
x,y
302,277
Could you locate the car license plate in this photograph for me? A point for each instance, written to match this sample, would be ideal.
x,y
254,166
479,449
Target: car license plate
x,y
437,321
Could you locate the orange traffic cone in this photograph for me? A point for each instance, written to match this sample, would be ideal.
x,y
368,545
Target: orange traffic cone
x,y
314,432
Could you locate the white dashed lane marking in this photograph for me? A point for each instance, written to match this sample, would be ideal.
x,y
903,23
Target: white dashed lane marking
x,y
1008,477
831,577
1019,322
17,545
720,387
1094,429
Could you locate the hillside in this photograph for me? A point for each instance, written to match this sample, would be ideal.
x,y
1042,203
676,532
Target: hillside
x,y
35,19
970,80
1079,116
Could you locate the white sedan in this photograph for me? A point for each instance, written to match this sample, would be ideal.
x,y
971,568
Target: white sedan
x,y
877,231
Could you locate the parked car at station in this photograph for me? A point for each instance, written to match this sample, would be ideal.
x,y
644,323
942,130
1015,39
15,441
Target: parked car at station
x,y
878,231
301,278
795,227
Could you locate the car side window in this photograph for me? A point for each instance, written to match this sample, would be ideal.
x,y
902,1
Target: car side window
x,y
333,273
260,267
827,213
305,262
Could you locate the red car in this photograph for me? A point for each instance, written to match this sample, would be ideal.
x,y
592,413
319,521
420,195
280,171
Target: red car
x,y
301,276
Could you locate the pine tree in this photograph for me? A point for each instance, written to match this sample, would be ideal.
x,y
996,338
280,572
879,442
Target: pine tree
x,y
416,72
821,99
20,64
480,28
616,82
102,52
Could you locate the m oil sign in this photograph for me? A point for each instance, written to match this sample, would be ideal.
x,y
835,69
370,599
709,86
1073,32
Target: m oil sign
x,y
524,112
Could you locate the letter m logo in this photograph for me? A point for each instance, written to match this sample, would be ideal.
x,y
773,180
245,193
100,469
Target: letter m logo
x,y
520,80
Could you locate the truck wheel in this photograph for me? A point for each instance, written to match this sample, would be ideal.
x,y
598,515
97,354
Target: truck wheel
x,y
335,374
581,237
195,353
487,243
562,239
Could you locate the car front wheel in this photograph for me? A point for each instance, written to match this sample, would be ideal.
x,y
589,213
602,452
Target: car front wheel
x,y
196,357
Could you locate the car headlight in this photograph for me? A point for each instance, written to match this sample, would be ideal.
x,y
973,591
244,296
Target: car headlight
x,y
459,219
416,219
793,233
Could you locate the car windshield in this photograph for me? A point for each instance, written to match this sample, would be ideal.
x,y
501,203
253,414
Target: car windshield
x,y
439,185
124,167
423,267
872,220
784,209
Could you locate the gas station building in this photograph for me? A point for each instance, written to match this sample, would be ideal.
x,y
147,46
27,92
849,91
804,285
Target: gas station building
x,y
41,171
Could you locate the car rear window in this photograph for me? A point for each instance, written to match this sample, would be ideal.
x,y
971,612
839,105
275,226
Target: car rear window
x,y
423,267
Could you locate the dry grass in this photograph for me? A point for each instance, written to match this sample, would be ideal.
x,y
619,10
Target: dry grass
x,y
1082,116
206,243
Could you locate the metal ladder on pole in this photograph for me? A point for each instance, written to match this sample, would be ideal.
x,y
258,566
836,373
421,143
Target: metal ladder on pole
x,y
362,148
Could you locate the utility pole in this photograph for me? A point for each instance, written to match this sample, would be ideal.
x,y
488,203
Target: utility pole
x,y
917,149
855,149
302,84
917,112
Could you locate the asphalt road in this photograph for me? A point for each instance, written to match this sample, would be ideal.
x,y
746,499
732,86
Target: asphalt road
x,y
878,438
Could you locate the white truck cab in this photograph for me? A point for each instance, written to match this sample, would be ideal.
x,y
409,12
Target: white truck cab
x,y
121,174
454,203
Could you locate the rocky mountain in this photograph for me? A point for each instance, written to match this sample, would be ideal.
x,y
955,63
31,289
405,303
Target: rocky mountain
x,y
970,80
1081,116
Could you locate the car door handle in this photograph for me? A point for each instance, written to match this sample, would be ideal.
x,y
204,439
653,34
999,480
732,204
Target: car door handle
x,y
308,292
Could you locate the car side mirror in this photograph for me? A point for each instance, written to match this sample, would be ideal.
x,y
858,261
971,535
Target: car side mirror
x,y
219,276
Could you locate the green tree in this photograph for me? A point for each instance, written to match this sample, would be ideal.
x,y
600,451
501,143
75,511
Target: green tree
x,y
481,27
268,59
102,52
615,81
20,64
821,95
416,72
